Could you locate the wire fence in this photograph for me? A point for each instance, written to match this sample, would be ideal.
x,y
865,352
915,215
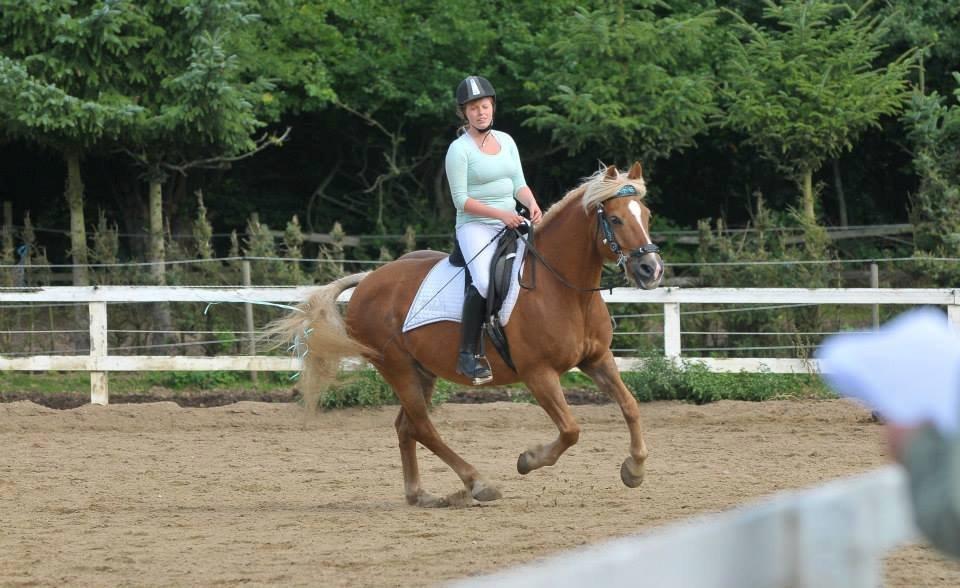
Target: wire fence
x,y
60,333
351,261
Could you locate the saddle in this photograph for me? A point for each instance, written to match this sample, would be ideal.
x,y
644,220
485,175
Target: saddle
x,y
501,269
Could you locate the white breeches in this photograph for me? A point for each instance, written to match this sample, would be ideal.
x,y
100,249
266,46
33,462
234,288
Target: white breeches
x,y
478,239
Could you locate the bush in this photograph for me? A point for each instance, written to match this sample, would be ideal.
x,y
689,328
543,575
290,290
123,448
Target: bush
x,y
362,388
661,379
203,380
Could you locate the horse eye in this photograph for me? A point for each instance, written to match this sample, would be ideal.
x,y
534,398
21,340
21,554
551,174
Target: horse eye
x,y
616,220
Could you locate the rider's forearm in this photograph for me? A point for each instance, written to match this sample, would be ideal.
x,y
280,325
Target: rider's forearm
x,y
525,197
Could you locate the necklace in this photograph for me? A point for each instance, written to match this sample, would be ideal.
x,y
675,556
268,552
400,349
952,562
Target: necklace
x,y
484,140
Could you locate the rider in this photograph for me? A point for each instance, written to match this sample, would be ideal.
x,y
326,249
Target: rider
x,y
486,178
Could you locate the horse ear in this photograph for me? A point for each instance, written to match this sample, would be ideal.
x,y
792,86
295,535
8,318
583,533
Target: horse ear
x,y
636,171
612,172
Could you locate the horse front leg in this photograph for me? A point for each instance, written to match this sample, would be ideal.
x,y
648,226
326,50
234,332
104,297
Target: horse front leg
x,y
605,374
546,388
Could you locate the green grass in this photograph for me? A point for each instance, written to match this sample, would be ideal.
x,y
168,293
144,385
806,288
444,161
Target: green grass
x,y
121,382
658,380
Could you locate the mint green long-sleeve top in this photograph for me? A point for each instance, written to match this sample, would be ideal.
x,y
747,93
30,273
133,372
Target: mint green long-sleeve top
x,y
493,180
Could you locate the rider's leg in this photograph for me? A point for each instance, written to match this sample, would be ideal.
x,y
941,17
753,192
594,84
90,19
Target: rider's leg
x,y
471,362
476,243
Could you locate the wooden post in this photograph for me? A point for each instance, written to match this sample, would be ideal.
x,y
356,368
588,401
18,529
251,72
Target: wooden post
x,y
875,283
248,314
953,315
671,330
8,225
7,255
99,393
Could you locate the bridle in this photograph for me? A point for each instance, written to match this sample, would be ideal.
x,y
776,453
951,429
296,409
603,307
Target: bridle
x,y
609,239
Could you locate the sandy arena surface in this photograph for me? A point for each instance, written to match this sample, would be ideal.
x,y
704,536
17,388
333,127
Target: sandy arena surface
x,y
250,493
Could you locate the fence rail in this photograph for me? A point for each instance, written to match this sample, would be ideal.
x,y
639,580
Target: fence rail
x,y
832,536
99,362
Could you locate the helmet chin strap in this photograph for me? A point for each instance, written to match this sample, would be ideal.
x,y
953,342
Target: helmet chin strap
x,y
484,130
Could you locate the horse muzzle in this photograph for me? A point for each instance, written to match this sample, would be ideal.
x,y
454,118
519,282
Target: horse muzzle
x,y
646,270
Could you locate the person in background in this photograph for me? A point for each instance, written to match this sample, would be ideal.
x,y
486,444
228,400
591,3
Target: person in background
x,y
910,373
486,181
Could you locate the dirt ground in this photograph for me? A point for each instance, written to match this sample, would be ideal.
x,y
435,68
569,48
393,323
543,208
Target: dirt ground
x,y
250,493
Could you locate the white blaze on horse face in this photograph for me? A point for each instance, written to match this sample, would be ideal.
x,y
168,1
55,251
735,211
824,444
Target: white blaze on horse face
x,y
637,212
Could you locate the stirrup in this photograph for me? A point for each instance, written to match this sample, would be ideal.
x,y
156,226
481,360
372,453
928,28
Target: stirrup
x,y
475,367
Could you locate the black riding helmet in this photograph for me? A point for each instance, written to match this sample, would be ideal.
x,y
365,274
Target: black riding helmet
x,y
474,88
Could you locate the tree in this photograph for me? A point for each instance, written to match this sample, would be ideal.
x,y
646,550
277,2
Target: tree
x,y
934,133
929,26
197,110
60,62
391,68
803,89
625,81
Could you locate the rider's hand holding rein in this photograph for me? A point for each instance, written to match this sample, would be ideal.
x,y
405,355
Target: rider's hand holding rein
x,y
525,197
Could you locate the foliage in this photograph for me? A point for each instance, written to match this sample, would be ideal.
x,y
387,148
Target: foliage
x,y
363,388
929,26
201,380
756,260
188,83
626,81
804,87
934,132
60,64
661,379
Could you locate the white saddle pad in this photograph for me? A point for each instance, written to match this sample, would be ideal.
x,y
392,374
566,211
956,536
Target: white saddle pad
x,y
440,297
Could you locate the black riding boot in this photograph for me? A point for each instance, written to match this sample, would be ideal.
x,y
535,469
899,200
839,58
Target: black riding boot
x,y
471,362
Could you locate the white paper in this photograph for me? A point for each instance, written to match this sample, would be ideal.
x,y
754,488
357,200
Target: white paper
x,y
909,371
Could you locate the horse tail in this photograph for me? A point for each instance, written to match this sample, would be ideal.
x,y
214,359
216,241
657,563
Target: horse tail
x,y
319,336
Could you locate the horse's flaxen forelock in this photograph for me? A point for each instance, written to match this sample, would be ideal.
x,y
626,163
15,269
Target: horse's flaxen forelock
x,y
595,189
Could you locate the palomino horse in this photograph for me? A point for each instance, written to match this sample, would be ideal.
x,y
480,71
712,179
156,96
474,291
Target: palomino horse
x,y
559,324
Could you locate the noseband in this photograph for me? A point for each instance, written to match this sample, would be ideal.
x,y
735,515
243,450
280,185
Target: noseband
x,y
610,240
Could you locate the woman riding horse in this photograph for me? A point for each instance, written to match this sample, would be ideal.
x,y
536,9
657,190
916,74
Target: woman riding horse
x,y
558,323
486,180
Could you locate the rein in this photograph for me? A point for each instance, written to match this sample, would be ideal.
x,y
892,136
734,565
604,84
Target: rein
x,y
609,239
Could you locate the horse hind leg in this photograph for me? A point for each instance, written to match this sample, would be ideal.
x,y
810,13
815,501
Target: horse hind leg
x,y
416,496
605,374
413,388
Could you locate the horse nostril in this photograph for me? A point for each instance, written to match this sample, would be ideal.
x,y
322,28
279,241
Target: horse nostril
x,y
646,270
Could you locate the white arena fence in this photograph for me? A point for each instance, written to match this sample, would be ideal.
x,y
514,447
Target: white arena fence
x,y
99,362
831,536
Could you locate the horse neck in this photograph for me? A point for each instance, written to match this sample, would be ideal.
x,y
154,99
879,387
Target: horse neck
x,y
567,244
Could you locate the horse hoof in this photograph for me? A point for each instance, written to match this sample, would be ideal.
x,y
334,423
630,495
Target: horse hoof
x,y
484,493
426,500
523,463
629,477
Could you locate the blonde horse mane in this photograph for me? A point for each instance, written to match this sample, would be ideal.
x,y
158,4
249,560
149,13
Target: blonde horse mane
x,y
598,187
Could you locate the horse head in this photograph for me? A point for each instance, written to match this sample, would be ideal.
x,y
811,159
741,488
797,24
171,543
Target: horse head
x,y
623,224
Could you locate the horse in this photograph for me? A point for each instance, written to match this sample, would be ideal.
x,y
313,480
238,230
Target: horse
x,y
559,323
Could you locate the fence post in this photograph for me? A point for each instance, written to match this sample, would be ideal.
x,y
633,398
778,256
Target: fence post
x,y
248,314
671,330
875,283
99,394
953,315
7,254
